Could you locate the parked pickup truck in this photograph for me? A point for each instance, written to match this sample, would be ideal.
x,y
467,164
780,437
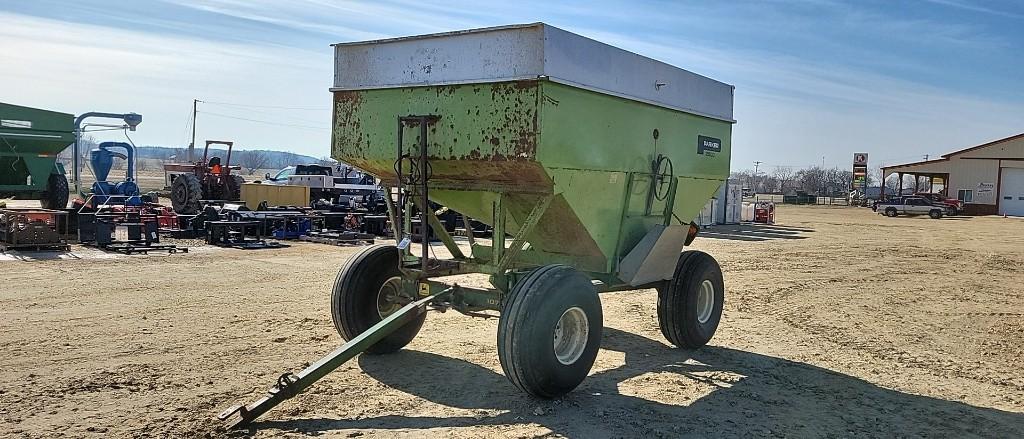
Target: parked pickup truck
x,y
910,206
953,206
341,184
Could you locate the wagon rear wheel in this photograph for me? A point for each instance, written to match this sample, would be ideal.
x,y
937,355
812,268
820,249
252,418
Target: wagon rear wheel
x,y
56,195
368,289
690,305
550,331
236,187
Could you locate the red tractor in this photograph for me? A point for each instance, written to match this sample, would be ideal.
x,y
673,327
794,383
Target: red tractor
x,y
207,180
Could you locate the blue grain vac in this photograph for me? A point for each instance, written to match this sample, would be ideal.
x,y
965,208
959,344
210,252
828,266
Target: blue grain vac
x,y
120,192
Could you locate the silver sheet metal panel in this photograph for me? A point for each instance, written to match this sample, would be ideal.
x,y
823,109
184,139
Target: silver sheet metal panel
x,y
525,52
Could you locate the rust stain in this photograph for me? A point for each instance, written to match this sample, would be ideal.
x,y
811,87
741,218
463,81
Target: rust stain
x,y
494,142
347,122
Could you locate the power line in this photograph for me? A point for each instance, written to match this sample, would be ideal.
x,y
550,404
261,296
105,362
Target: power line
x,y
232,104
265,121
274,114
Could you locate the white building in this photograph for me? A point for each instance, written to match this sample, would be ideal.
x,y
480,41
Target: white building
x,y
988,178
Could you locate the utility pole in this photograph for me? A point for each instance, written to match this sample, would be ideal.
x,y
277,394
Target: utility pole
x,y
754,184
192,146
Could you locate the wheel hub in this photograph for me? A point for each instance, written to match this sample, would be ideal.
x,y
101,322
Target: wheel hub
x,y
571,334
390,297
705,301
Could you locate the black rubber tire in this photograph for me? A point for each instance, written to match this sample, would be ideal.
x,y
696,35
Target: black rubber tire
x,y
186,191
526,330
354,298
935,214
236,188
891,212
677,301
56,195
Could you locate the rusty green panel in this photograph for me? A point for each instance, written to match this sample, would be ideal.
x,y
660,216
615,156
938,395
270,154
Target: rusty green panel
x,y
486,132
530,138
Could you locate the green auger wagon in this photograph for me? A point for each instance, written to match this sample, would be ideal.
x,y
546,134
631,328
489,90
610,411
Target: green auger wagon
x,y
30,140
587,160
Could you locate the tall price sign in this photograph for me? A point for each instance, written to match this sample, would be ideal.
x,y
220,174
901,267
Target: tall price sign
x,y
860,172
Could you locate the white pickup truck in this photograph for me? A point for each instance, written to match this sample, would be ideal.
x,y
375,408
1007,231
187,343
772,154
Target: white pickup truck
x,y
337,184
910,206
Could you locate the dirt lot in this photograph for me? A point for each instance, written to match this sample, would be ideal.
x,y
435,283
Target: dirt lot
x,y
838,322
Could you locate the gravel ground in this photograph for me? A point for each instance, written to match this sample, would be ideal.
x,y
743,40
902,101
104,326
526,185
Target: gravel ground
x,y
838,322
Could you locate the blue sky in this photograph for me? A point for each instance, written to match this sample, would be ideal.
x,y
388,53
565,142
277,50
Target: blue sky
x,y
815,79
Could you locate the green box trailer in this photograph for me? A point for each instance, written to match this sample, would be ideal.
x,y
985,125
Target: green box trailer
x,y
588,161
30,140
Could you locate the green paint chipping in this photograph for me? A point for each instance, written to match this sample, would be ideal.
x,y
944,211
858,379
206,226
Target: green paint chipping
x,y
525,139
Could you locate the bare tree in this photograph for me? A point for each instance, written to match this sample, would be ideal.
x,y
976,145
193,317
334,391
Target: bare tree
x,y
327,161
784,177
253,160
812,179
838,181
874,176
892,184
168,156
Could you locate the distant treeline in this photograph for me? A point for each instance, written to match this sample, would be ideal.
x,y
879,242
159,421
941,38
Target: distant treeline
x,y
251,160
269,159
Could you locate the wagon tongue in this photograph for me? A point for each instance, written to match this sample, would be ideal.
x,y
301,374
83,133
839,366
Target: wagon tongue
x,y
290,384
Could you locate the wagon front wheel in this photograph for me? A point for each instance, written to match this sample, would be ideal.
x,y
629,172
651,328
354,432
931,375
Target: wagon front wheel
x,y
550,331
368,289
690,305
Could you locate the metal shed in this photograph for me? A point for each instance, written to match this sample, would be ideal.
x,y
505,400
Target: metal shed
x,y
988,178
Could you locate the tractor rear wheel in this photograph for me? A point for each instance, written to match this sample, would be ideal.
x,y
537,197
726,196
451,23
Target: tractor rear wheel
x,y
186,191
690,305
56,195
550,331
369,288
236,187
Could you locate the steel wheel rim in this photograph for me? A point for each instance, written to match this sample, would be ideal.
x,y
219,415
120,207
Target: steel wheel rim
x,y
705,301
571,334
180,193
388,297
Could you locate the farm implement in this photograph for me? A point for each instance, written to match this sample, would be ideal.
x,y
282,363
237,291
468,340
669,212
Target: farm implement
x,y
586,160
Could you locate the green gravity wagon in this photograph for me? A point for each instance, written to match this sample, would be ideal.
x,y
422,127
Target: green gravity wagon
x,y
30,140
588,161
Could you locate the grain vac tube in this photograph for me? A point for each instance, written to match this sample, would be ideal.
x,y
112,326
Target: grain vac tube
x,y
131,121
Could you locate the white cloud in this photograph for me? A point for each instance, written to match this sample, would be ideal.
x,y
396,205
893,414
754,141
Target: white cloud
x,y
793,111
77,68
790,108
